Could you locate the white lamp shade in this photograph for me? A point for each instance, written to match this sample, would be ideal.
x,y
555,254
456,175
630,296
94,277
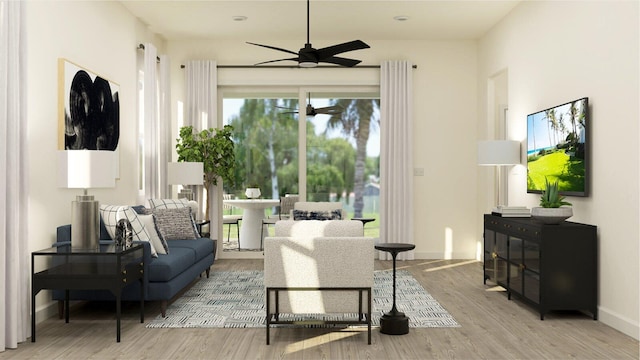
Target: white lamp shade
x,y
86,169
499,152
185,173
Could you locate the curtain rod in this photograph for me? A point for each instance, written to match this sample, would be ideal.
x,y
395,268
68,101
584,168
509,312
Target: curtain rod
x,y
295,67
141,47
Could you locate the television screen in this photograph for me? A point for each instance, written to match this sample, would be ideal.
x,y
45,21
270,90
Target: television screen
x,y
556,148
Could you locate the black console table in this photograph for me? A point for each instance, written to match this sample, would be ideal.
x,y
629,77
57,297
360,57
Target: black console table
x,y
551,267
394,322
111,268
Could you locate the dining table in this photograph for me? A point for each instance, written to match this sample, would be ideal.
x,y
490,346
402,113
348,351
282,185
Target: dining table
x,y
253,211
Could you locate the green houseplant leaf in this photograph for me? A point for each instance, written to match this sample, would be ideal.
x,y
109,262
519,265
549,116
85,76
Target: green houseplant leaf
x,y
551,197
214,148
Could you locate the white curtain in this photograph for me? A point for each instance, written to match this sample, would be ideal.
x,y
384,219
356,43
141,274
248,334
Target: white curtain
x,y
202,94
165,148
201,112
157,123
396,156
15,298
151,123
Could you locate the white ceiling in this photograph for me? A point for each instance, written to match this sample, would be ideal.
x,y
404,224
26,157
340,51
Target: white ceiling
x,y
269,21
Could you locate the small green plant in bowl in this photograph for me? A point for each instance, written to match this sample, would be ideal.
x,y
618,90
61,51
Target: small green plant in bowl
x,y
551,197
551,202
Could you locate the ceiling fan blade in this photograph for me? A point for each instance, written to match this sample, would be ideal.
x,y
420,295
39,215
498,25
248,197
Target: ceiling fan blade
x,y
274,48
341,61
330,51
329,110
271,61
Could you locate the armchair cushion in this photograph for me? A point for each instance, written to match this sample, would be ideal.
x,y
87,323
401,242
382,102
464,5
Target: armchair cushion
x,y
318,228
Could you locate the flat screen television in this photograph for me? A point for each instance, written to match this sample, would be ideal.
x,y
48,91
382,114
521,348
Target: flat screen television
x,y
557,148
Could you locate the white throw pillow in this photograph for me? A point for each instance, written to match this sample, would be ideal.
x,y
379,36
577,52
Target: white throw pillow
x,y
150,225
112,213
168,203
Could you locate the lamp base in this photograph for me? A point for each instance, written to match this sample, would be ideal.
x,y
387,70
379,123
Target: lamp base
x,y
185,193
85,223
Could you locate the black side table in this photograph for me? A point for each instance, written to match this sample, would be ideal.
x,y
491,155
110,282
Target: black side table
x,y
111,268
364,220
394,322
199,225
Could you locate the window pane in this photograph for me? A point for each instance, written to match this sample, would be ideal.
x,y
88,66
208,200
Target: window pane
x,y
266,145
343,150
343,155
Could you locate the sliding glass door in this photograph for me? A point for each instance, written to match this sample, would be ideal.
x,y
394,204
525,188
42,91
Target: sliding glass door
x,y
339,141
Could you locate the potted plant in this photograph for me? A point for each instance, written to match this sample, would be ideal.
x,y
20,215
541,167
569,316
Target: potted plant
x,y
252,191
551,210
212,147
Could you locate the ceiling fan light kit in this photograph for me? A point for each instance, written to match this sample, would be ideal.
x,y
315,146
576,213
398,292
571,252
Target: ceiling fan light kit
x,y
308,56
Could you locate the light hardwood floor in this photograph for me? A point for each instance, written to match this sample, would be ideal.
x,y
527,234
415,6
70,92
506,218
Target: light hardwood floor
x,y
492,327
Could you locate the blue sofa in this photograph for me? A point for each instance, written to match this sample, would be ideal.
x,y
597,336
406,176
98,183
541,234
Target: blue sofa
x,y
164,276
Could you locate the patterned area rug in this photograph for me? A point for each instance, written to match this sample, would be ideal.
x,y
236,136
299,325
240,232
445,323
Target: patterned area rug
x,y
232,245
235,299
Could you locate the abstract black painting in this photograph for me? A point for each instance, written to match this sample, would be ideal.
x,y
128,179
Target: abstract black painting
x,y
89,110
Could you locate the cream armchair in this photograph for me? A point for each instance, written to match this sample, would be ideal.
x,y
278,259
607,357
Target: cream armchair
x,y
319,267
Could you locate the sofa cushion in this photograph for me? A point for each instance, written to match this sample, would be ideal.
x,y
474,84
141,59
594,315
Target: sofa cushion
x,y
200,247
166,267
175,224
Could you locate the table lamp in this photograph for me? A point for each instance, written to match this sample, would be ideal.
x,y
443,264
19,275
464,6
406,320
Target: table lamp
x,y
185,173
499,153
86,169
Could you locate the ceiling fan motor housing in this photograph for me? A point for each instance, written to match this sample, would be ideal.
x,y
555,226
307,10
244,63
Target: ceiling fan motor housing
x,y
307,56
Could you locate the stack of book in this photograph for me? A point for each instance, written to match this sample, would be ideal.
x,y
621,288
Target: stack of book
x,y
512,211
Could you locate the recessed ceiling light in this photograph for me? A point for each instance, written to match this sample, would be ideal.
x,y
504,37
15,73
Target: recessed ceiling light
x,y
239,18
401,18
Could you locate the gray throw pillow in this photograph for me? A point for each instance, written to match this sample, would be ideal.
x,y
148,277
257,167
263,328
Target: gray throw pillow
x,y
175,224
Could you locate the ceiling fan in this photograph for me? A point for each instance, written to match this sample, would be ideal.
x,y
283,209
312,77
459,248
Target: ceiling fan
x,y
310,57
311,111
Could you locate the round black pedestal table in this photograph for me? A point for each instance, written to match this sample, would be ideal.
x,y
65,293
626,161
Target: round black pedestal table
x,y
394,322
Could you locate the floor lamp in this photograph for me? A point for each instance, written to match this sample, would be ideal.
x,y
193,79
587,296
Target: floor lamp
x,y
185,173
499,153
86,169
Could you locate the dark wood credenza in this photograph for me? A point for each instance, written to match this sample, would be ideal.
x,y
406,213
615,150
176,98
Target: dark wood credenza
x,y
550,267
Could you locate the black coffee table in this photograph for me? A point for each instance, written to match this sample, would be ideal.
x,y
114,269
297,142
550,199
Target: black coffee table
x,y
394,322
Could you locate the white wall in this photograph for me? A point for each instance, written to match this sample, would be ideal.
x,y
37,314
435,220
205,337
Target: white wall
x,y
445,209
101,37
555,52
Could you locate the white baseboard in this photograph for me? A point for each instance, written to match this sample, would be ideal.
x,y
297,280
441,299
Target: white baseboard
x,y
619,322
46,311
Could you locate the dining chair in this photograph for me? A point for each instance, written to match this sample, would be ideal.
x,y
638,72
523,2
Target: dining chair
x,y
230,219
284,213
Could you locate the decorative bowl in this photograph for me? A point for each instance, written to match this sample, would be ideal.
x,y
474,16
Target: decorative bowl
x,y
551,215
